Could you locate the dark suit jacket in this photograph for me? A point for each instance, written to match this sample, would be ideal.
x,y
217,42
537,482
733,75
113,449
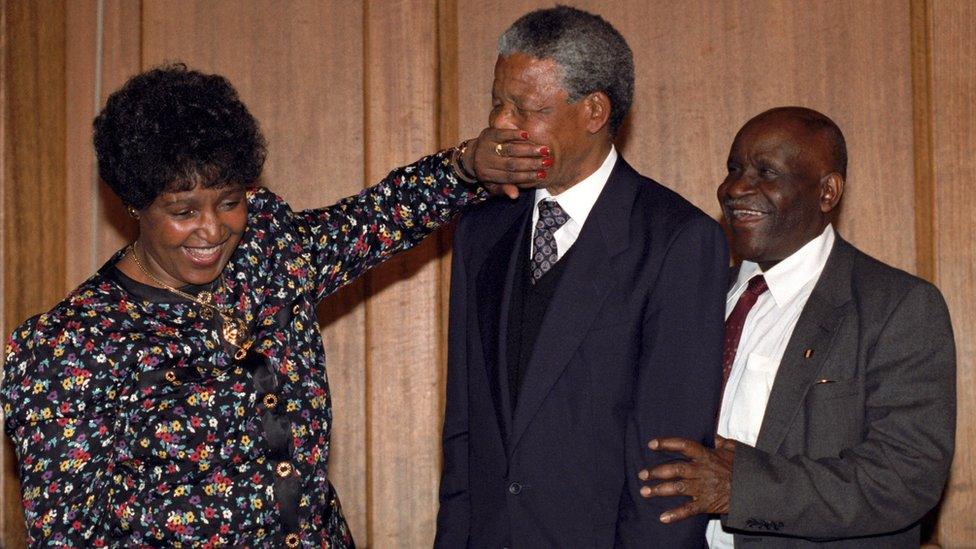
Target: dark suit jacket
x,y
865,456
628,350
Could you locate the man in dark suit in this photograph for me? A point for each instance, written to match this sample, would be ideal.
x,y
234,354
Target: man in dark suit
x,y
585,315
839,410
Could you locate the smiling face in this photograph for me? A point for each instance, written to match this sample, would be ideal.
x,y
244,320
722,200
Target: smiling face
x,y
780,188
527,95
188,237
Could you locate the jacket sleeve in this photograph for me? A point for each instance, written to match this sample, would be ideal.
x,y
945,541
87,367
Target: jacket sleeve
x,y
455,506
896,474
679,375
64,443
346,239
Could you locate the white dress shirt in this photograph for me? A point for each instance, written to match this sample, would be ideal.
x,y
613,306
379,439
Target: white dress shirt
x,y
765,334
576,201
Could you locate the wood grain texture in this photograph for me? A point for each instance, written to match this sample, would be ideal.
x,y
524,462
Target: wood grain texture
x,y
954,171
299,70
33,185
403,312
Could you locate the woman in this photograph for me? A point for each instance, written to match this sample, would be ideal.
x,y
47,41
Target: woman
x,y
178,397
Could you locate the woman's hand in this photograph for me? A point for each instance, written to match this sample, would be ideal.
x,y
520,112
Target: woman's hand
x,y
504,160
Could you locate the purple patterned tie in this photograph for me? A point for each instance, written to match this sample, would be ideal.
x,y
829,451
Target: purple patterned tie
x,y
735,322
544,252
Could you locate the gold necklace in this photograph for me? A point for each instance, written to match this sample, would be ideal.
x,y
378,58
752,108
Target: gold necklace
x,y
233,329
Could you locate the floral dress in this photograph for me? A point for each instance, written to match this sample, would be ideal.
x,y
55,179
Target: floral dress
x,y
134,426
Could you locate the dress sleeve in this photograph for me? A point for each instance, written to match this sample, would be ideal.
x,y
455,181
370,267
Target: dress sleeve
x,y
344,240
63,439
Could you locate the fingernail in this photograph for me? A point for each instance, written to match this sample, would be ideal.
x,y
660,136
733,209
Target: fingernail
x,y
547,162
652,444
541,174
643,474
645,491
544,151
524,135
666,517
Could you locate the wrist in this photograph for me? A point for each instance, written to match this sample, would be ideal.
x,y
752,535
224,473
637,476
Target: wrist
x,y
461,170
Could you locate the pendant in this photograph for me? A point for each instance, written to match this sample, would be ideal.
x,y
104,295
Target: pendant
x,y
205,297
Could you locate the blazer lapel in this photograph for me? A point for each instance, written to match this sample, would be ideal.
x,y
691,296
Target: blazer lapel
x,y
808,346
582,290
494,289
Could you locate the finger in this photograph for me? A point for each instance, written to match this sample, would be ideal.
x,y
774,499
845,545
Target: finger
x,y
500,135
520,149
680,445
510,191
668,471
680,513
526,178
672,488
722,443
509,164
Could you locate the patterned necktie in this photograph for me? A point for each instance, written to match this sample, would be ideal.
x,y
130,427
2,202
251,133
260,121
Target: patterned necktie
x,y
737,318
544,252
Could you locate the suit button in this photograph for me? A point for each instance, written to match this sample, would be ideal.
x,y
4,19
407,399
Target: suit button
x,y
515,488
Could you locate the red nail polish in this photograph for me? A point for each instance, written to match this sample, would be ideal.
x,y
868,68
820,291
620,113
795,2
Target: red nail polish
x,y
524,135
544,151
541,174
547,162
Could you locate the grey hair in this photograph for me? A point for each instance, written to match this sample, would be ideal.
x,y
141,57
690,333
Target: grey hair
x,y
589,52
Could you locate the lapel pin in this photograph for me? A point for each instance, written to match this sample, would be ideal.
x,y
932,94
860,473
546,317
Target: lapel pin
x,y
808,353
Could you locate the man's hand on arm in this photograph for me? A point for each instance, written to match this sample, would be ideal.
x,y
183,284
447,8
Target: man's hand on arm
x,y
705,477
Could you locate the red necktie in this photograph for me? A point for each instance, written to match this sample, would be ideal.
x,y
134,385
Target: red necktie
x,y
737,318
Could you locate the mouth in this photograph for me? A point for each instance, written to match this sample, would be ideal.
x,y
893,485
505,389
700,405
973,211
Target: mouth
x,y
204,256
738,215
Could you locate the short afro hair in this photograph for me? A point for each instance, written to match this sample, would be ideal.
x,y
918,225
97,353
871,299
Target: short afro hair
x,y
169,129
592,55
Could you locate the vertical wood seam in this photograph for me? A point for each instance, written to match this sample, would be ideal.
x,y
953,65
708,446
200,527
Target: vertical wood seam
x,y
96,209
367,299
921,71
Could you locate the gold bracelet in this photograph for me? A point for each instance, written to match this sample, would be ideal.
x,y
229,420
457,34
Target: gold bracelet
x,y
457,165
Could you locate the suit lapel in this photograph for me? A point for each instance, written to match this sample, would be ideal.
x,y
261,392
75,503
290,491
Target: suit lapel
x,y
808,346
494,289
580,294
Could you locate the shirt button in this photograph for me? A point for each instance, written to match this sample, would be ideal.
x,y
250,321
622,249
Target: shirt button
x,y
284,469
270,400
292,540
515,488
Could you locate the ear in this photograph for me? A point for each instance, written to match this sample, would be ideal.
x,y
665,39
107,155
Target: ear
x,y
831,189
596,107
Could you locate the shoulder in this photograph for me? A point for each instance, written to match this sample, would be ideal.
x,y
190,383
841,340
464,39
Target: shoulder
x,y
879,289
55,361
662,209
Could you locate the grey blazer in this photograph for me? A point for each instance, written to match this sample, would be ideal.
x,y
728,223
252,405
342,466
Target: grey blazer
x,y
858,434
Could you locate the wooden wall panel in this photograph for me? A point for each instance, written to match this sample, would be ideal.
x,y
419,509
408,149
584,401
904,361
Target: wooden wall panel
x,y
704,67
953,44
347,90
299,70
33,186
403,323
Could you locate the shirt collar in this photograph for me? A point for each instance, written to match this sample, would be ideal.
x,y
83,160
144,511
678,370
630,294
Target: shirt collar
x,y
578,200
789,276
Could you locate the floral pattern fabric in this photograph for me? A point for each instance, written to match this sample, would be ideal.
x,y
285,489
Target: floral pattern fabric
x,y
135,427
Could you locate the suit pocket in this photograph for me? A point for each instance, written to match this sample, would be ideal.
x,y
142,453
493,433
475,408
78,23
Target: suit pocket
x,y
829,389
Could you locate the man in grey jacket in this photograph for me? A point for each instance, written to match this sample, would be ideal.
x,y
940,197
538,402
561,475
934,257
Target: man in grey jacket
x,y
838,413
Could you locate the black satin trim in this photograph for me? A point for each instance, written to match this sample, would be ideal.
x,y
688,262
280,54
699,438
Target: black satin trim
x,y
277,433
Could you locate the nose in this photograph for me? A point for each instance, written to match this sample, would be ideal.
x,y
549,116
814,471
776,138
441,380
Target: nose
x,y
211,227
503,118
737,185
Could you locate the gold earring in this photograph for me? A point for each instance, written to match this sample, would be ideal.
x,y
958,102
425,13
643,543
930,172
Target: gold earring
x,y
133,213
